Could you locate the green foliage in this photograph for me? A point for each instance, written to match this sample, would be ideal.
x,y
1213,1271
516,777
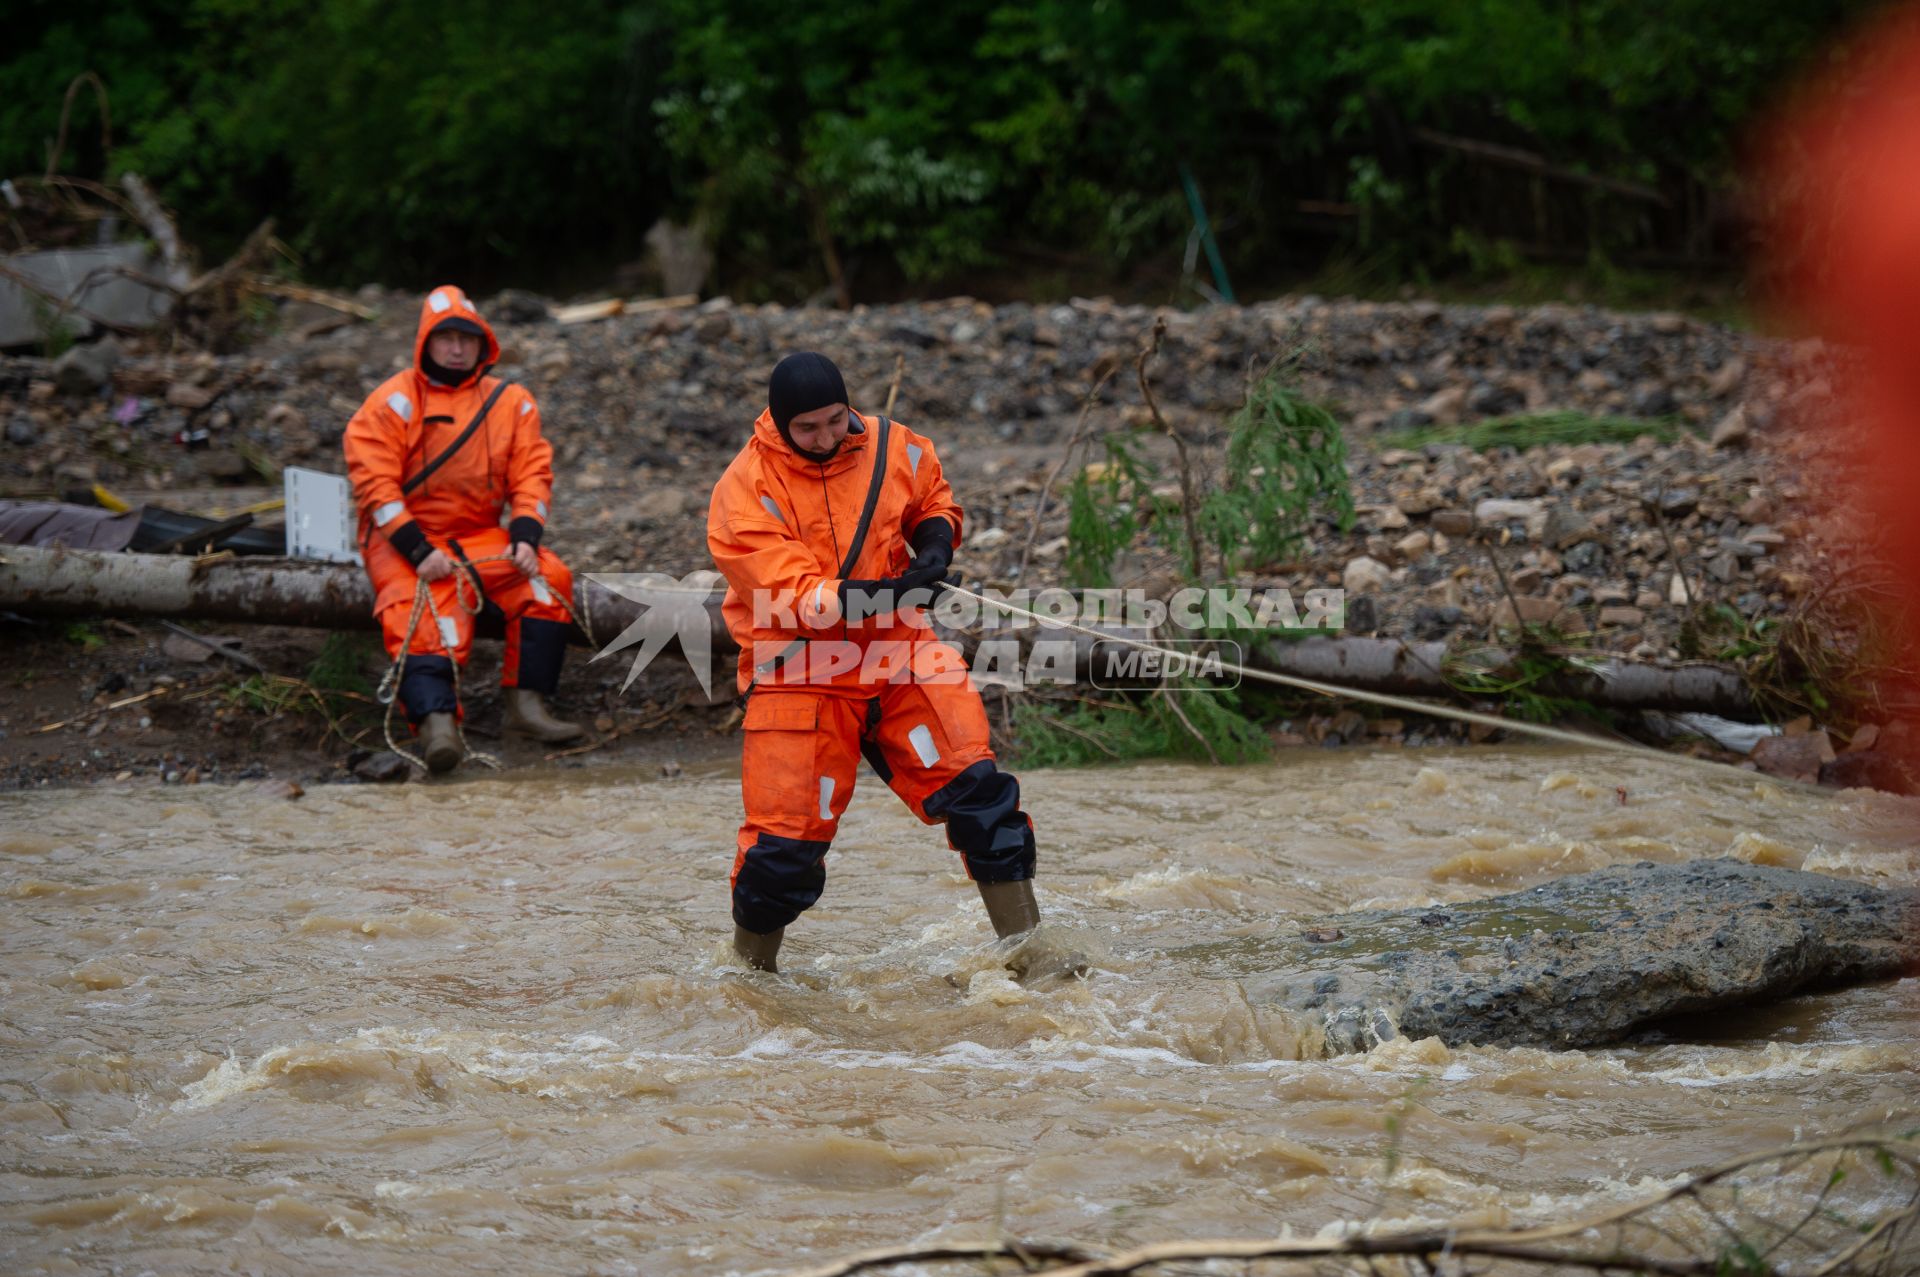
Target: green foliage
x,y
1829,658
1075,733
83,635
267,694
1102,518
342,664
1522,682
57,335
336,684
1286,461
1536,430
409,140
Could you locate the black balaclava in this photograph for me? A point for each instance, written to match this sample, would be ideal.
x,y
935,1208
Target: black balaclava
x,y
801,383
440,373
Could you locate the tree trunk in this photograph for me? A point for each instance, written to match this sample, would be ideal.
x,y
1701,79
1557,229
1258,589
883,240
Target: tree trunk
x,y
84,583
255,590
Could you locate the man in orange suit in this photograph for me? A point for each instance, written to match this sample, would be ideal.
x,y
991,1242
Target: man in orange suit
x,y
831,526
438,454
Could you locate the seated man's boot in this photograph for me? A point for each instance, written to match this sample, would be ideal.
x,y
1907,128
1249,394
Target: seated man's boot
x,y
440,743
1010,906
527,714
758,950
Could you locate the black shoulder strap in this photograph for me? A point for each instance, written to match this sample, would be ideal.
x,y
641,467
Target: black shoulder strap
x,y
874,485
859,541
447,454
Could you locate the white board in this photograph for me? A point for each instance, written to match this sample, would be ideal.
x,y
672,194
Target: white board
x,y
319,516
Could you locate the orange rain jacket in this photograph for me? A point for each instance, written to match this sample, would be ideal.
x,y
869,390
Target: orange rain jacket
x,y
779,524
409,420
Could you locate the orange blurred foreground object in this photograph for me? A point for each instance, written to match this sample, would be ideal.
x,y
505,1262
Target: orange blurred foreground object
x,y
1839,179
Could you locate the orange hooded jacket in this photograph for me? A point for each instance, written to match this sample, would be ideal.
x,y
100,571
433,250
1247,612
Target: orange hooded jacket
x,y
409,419
779,525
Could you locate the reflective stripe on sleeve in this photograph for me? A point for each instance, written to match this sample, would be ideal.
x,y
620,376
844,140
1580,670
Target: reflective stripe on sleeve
x,y
401,404
922,741
388,513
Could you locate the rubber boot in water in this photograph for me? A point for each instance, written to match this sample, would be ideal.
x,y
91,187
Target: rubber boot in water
x,y
527,714
758,949
1010,907
440,743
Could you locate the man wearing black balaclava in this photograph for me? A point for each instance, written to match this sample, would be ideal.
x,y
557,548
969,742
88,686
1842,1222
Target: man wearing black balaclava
x,y
834,529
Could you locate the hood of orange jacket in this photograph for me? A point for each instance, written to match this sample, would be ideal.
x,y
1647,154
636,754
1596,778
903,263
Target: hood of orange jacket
x,y
505,466
448,303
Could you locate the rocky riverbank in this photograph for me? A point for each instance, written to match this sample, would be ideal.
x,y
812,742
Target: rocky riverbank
x,y
1613,542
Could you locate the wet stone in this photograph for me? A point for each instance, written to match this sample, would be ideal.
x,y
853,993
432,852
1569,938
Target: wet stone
x,y
383,768
1586,960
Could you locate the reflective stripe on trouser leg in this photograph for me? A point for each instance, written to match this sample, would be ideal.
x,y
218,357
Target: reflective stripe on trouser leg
x,y
426,687
981,807
776,879
535,650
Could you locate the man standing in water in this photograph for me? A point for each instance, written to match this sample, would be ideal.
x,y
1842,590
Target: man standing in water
x,y
438,454
832,529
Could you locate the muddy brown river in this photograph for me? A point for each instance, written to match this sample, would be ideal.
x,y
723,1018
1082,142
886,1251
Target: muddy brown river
x,y
491,1027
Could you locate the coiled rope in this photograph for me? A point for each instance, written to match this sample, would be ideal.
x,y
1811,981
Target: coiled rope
x,y
465,585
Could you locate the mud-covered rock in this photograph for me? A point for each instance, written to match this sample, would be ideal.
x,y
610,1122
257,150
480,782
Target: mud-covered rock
x,y
1587,959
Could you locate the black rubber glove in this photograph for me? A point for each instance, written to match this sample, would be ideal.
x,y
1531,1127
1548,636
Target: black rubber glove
x,y
861,600
932,543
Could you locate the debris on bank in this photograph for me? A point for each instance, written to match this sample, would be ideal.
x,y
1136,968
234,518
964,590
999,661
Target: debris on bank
x,y
1628,475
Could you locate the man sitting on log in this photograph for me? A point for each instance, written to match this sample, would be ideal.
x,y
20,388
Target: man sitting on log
x,y
438,454
830,527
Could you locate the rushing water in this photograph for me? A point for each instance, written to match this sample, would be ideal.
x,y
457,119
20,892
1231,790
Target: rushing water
x,y
490,1027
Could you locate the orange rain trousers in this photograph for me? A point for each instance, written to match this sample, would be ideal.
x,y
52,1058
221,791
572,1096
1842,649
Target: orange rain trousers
x,y
518,598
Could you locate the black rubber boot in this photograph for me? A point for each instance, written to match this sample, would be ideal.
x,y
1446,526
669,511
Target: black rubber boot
x,y
758,950
1010,907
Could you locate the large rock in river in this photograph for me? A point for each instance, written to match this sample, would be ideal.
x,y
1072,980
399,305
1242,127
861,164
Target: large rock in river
x,y
1584,960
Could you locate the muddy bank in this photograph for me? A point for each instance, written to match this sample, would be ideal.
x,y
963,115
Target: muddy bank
x,y
143,707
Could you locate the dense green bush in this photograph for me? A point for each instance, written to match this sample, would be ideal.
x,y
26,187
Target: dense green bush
x,y
903,143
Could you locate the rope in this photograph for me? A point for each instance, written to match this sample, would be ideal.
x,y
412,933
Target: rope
x,y
1408,703
464,584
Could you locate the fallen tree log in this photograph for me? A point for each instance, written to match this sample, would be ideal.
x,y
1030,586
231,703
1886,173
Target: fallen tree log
x,y
335,596
56,581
